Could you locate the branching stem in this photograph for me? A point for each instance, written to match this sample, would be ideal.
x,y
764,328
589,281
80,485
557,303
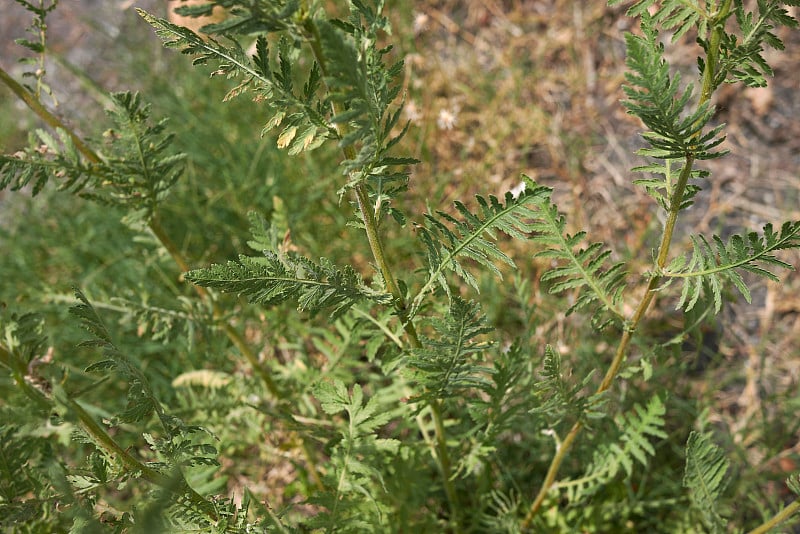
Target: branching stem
x,y
32,102
399,300
632,325
158,231
154,225
177,485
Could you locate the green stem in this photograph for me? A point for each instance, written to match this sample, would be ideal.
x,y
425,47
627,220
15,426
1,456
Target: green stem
x,y
233,334
178,485
32,102
399,300
19,371
155,226
632,325
779,518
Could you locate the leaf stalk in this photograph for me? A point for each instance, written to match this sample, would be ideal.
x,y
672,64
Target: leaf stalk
x,y
378,253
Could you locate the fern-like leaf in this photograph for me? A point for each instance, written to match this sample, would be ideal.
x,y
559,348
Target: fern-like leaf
x,y
654,96
244,18
445,365
584,269
47,157
636,428
448,239
140,167
141,400
178,445
357,75
743,59
275,278
21,483
22,350
136,173
22,337
662,188
300,117
347,61
713,263
793,483
560,400
678,14
354,478
706,477
505,393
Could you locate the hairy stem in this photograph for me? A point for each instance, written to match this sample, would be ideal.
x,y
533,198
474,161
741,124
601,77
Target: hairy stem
x,y
399,300
632,324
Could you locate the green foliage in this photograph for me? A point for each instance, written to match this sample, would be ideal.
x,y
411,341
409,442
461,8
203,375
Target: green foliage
x,y
636,429
743,60
656,98
136,173
583,269
470,237
399,400
275,278
274,88
47,156
706,477
38,29
711,265
446,366
351,478
561,400
346,59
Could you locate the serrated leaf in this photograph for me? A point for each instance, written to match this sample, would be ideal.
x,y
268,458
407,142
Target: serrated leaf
x,y
636,427
273,279
706,476
583,269
448,239
449,363
712,263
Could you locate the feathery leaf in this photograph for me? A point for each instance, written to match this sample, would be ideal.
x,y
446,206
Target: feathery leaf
x,y
742,57
584,269
275,278
446,364
706,477
136,173
656,99
636,429
713,263
558,399
448,239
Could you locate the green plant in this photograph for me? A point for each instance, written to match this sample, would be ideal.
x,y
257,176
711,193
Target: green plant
x,y
385,396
